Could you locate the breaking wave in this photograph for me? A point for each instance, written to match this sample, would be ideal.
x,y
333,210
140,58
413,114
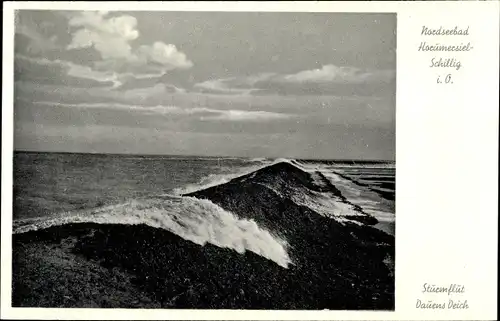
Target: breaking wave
x,y
196,220
229,174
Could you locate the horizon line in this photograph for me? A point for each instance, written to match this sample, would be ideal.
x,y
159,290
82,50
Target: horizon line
x,y
207,156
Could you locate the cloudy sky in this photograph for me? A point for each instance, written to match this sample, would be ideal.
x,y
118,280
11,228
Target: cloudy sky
x,y
308,85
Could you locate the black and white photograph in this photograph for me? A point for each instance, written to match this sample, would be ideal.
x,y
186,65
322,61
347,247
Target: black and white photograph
x,y
204,160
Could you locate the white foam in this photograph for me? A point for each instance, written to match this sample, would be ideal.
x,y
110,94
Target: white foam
x,y
323,203
199,221
258,159
369,201
212,180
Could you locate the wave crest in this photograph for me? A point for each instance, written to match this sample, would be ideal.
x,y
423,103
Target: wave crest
x,y
196,220
212,180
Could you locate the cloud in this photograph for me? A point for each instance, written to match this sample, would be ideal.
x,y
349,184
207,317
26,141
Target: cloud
x,y
66,89
37,42
166,55
147,92
159,109
204,113
88,73
221,86
333,74
112,37
233,85
327,80
148,82
127,83
99,47
66,68
244,115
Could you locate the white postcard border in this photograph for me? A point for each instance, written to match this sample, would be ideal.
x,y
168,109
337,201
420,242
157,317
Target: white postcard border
x,y
446,163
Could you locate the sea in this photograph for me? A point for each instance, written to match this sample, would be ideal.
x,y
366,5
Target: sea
x,y
46,184
137,213
62,186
